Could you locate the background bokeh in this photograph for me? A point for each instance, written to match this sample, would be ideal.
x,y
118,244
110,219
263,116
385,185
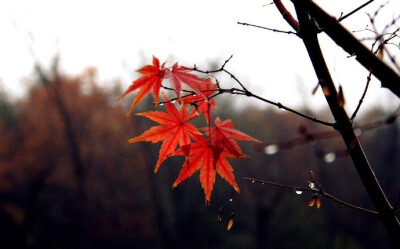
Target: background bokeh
x,y
69,180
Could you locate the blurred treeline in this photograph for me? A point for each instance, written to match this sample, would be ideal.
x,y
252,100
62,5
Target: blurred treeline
x,y
69,180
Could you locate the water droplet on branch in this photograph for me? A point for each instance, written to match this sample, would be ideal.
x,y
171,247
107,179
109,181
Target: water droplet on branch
x,y
271,149
330,157
312,186
358,132
299,192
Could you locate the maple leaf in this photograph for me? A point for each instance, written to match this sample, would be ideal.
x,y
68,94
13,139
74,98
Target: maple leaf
x,y
180,75
209,156
223,136
151,79
203,107
153,76
174,129
201,158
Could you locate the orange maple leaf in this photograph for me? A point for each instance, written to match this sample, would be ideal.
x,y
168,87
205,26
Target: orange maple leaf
x,y
223,137
202,106
210,156
201,158
152,77
174,129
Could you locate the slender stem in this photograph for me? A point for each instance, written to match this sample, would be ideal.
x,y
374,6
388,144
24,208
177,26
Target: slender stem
x,y
362,97
246,92
280,106
317,190
270,29
354,11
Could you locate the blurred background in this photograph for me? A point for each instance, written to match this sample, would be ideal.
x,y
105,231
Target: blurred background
x,y
69,180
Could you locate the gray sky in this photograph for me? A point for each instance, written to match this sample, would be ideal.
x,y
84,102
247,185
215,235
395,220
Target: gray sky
x,y
118,37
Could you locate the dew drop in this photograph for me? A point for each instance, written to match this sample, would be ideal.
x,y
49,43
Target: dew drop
x,y
312,186
173,101
358,132
330,157
271,149
230,199
299,192
161,104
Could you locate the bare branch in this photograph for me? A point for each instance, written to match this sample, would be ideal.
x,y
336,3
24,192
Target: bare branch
x,y
354,11
287,15
246,92
388,77
353,116
317,189
270,29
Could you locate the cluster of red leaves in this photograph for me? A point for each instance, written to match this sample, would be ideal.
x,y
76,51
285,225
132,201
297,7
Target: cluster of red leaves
x,y
205,149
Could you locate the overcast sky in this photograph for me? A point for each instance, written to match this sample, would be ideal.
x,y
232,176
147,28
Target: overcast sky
x,y
118,37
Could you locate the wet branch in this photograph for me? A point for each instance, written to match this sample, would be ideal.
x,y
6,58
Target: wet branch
x,y
315,190
313,187
239,91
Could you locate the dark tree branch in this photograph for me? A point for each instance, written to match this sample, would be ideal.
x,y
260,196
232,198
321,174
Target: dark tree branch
x,y
388,78
287,15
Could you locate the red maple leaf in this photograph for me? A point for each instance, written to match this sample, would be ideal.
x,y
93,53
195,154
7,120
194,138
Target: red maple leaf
x,y
201,158
210,156
181,75
203,107
151,79
223,137
174,129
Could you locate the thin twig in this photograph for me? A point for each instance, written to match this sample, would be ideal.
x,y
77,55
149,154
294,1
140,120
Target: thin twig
x,y
362,97
307,138
270,29
354,11
383,42
280,106
246,92
317,190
